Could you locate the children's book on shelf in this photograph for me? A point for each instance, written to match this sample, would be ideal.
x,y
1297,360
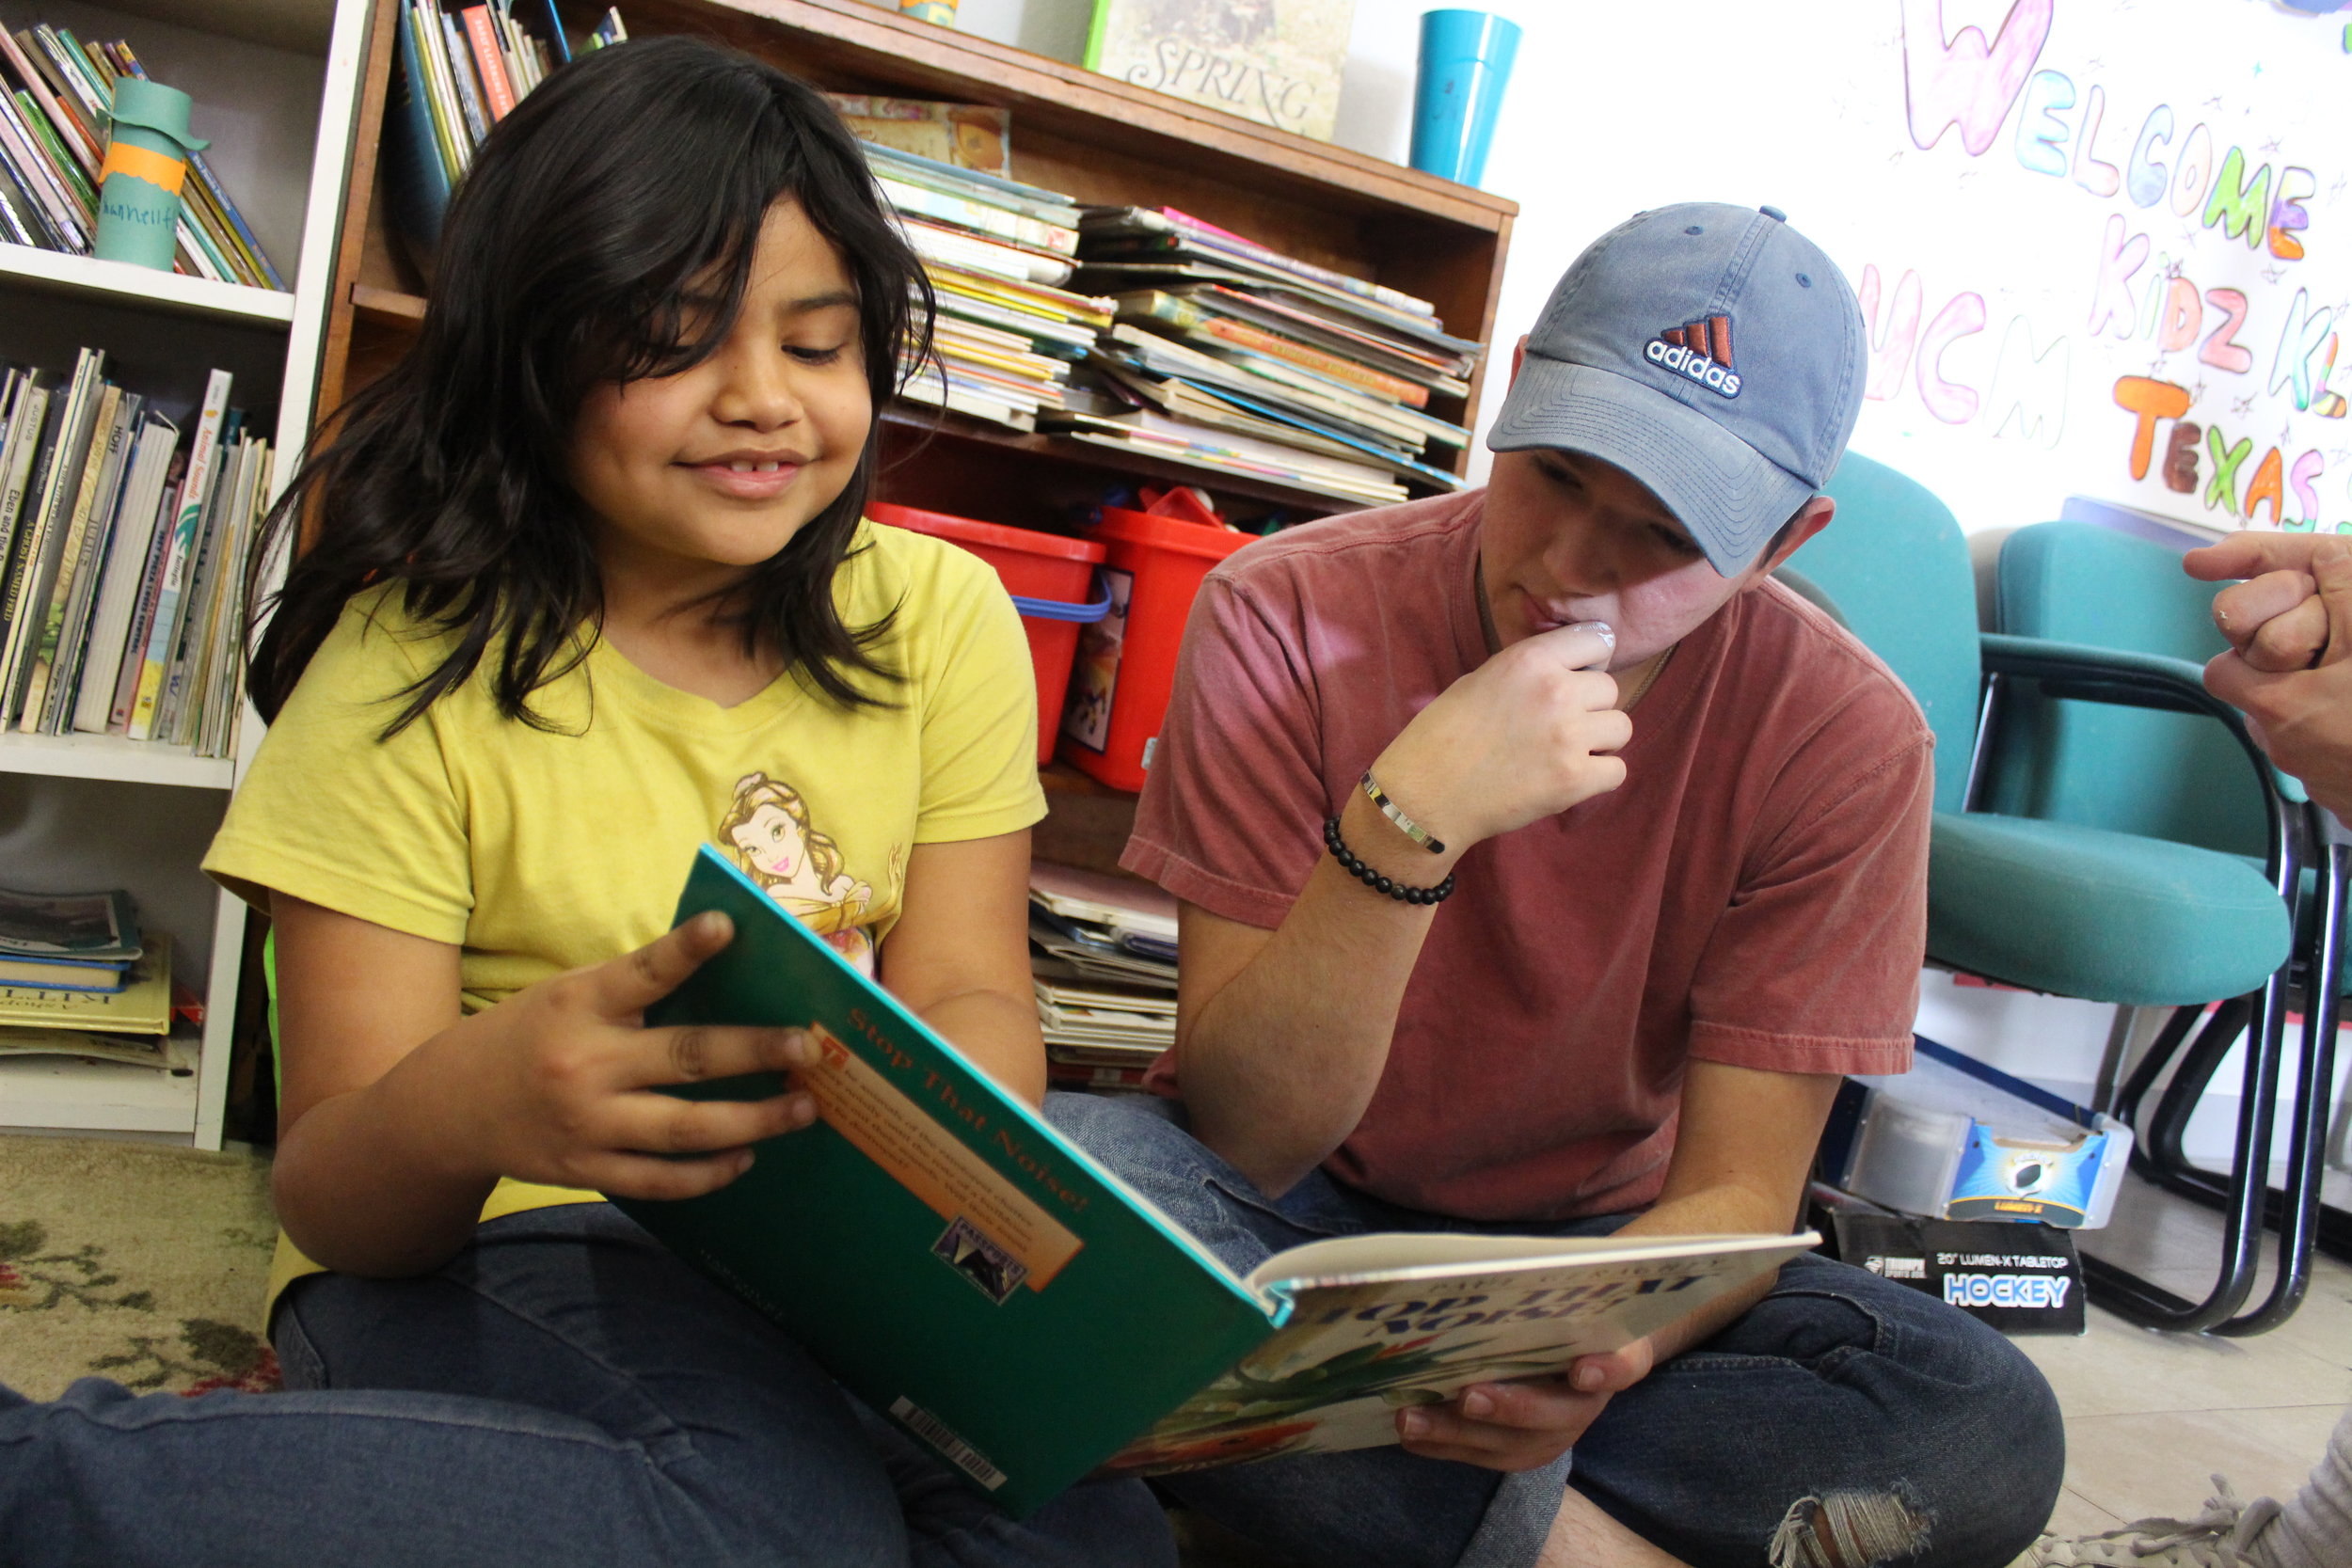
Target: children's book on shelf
x,y
977,136
463,68
57,90
146,1050
122,557
68,942
1229,355
958,1264
1278,62
1103,961
141,1005
87,928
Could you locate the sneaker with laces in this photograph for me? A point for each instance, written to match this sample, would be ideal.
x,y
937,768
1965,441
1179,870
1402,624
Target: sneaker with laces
x,y
2224,1536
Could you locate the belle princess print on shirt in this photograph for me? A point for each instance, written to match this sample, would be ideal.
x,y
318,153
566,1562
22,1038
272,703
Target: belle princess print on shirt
x,y
768,830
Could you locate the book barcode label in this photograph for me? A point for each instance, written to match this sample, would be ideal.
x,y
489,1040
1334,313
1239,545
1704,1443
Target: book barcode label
x,y
937,1434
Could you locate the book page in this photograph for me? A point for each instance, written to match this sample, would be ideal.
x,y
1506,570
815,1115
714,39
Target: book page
x,y
1350,1356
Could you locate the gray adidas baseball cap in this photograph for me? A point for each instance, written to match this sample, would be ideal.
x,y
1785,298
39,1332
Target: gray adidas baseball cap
x,y
1711,351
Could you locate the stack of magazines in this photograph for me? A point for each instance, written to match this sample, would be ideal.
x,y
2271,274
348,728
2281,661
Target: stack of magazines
x,y
123,554
78,979
55,94
1230,356
1102,957
996,251
463,70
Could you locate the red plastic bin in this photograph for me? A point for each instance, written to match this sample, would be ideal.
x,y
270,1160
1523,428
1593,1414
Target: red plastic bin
x,y
1050,579
1127,660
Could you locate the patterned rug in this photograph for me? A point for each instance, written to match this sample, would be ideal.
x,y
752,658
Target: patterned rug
x,y
134,1262
148,1265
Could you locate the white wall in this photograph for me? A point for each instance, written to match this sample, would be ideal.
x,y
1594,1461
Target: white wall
x,y
2047,290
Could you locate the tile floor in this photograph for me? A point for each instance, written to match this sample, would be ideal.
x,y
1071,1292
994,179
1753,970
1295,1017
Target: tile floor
x,y
2149,1416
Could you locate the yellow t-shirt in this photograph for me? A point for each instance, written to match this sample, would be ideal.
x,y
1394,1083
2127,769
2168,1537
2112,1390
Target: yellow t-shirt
x,y
540,850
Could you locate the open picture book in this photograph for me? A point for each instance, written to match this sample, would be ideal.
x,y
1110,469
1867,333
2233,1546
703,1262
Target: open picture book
x,y
965,1269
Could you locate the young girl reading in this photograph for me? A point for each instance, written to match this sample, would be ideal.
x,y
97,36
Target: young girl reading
x,y
588,561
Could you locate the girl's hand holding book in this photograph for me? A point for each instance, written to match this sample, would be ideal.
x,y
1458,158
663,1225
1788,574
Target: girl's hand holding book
x,y
560,1083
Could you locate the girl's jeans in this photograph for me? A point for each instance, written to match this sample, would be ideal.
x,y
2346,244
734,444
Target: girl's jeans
x,y
565,1391
1844,1421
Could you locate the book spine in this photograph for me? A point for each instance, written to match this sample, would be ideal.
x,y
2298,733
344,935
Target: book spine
x,y
85,193
1335,366
25,223
986,256
52,617
225,661
182,674
126,565
458,59
1226,239
489,62
448,128
1187,317
143,610
163,637
555,33
86,148
17,485
89,563
980,217
421,183
29,591
78,87
31,161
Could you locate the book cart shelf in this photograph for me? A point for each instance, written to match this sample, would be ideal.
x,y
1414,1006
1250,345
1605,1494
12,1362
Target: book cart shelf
x,y
276,85
1089,136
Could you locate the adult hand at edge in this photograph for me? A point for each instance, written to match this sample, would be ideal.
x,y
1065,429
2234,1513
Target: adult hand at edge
x,y
2273,619
2303,718
1525,1423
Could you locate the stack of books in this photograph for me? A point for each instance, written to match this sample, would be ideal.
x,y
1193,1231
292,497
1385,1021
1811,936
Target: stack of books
x,y
124,555
1006,334
55,94
462,71
78,979
1229,355
1102,957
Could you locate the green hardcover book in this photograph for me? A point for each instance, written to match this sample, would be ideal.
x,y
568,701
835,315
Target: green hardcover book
x,y
959,1265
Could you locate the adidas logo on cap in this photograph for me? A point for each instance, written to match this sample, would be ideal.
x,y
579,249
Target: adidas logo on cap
x,y
1700,350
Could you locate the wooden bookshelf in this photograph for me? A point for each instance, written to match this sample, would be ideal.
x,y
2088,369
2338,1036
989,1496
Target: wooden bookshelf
x,y
1097,138
1074,130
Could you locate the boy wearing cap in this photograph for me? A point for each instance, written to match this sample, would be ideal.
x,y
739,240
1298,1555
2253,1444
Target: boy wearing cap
x,y
1543,864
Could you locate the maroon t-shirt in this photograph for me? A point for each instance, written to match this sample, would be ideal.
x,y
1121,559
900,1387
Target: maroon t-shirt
x,y
1754,893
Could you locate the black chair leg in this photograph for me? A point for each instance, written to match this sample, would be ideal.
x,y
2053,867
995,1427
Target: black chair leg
x,y
2151,1065
2307,1148
2159,1152
2242,1221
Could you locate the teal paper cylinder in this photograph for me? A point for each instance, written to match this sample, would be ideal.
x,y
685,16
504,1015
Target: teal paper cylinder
x,y
138,193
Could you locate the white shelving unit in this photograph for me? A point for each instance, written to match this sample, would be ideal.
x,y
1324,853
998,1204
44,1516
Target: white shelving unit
x,y
276,85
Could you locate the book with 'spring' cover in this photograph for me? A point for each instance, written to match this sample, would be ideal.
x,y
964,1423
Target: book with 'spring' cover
x,y
1278,62
958,1264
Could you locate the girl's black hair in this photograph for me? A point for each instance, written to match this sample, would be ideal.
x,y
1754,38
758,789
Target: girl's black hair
x,y
631,180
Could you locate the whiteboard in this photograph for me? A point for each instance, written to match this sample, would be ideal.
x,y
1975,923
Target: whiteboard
x,y
2023,193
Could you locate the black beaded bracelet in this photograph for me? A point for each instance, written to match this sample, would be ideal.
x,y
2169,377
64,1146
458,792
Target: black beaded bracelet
x,y
1372,879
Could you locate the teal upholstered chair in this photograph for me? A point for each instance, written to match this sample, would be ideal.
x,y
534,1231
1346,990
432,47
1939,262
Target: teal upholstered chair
x,y
2052,905
2178,776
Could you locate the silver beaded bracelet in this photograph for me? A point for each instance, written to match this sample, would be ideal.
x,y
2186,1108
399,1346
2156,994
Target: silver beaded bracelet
x,y
1405,825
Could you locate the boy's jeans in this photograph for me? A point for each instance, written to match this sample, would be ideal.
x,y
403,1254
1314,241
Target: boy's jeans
x,y
1841,1412
565,1391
